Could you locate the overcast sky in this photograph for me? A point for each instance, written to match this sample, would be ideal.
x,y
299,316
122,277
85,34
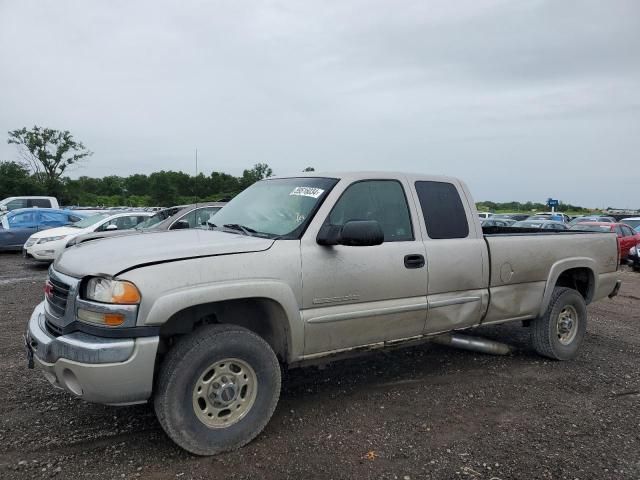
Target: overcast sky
x,y
522,99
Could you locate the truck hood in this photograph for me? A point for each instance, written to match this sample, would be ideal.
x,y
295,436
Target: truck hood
x,y
111,256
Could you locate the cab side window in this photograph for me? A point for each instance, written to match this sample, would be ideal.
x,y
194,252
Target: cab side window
x,y
380,200
22,219
39,202
17,203
443,211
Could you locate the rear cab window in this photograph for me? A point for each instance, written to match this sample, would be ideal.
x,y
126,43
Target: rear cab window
x,y
443,211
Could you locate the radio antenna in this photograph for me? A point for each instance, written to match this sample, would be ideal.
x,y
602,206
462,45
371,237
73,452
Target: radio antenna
x,y
196,179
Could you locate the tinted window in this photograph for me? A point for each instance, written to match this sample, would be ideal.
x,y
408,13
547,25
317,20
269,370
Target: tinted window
x,y
380,200
39,202
618,230
18,203
443,210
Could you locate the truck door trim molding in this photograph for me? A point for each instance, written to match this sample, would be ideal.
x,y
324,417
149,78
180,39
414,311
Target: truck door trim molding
x,y
374,312
453,301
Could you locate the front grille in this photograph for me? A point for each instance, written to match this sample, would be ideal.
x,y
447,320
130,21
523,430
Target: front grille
x,y
57,299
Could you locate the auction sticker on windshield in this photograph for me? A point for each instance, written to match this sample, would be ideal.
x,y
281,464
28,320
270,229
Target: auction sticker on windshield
x,y
307,192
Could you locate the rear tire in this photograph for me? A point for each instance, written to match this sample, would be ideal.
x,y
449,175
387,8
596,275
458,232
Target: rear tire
x,y
558,334
217,389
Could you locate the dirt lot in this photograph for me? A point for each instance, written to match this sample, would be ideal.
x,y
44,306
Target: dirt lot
x,y
425,412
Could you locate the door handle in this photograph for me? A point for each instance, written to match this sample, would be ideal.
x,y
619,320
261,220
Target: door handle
x,y
414,261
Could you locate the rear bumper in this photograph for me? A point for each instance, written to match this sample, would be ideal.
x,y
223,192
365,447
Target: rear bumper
x,y
102,370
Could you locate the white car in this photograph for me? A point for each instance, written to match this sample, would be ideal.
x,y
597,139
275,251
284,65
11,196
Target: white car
x,y
45,246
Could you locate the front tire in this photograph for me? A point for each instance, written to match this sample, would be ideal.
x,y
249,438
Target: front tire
x,y
217,389
558,334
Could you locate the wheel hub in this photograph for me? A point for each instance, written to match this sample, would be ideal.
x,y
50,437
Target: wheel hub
x,y
224,393
567,325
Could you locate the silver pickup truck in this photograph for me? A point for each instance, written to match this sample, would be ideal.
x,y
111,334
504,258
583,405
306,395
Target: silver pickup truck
x,y
297,271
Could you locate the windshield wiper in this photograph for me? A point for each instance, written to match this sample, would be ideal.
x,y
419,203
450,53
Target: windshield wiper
x,y
248,231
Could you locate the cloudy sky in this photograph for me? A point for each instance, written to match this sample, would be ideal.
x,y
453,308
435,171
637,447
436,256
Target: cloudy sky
x,y
522,99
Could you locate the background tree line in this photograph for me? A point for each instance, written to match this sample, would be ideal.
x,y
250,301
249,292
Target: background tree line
x,y
47,154
164,188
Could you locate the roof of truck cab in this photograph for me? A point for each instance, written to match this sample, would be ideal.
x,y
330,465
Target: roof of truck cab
x,y
373,174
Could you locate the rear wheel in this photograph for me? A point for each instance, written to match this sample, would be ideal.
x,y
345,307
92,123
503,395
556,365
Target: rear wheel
x,y
217,389
560,331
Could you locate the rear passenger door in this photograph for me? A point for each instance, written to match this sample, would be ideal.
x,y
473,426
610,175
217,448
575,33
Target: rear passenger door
x,y
457,258
356,296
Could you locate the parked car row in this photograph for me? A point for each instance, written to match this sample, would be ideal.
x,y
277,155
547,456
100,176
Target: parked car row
x,y
627,236
43,233
16,226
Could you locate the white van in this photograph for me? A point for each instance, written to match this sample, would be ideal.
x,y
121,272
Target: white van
x,y
12,203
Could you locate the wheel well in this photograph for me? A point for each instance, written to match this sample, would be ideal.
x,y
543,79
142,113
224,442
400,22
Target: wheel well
x,y
263,316
580,279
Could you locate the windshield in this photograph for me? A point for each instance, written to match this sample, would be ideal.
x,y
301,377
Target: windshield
x,y
151,221
591,228
632,223
92,220
275,208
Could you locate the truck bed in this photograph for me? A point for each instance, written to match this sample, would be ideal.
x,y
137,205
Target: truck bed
x,y
524,261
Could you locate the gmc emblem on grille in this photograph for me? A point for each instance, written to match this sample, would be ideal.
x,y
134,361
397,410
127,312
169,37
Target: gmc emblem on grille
x,y
48,289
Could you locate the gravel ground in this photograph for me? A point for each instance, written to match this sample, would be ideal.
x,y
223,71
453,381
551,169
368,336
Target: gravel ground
x,y
422,412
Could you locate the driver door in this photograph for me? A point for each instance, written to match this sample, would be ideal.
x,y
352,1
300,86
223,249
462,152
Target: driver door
x,y
362,295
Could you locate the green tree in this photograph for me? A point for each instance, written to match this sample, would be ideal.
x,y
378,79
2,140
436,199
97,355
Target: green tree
x,y
161,190
48,152
309,169
255,174
15,180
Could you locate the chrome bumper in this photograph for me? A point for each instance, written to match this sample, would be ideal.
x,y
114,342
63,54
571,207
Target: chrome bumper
x,y
103,370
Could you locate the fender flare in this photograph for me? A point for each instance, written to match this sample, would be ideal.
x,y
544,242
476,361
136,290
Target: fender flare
x,y
173,302
558,269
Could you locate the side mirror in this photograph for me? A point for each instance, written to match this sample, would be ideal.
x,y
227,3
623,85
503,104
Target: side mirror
x,y
355,233
180,225
111,227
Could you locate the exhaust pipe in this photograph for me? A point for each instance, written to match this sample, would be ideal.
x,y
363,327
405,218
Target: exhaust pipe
x,y
474,344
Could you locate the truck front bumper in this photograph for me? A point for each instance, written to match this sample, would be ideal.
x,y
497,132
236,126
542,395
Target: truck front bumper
x,y
113,371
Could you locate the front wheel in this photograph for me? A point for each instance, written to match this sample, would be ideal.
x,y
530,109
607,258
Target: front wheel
x,y
217,389
558,334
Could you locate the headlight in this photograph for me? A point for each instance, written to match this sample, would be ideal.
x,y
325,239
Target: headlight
x,y
112,291
52,239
